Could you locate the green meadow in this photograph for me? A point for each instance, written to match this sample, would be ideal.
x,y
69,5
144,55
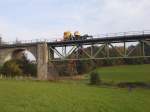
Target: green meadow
x,y
63,96
125,73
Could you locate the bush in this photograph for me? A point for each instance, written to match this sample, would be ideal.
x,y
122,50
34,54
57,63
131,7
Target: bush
x,y
133,84
95,78
28,68
18,68
11,69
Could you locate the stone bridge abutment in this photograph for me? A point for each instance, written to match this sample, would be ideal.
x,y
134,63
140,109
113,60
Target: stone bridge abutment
x,y
45,69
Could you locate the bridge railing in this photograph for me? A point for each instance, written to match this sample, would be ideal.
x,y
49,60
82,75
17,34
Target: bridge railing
x,y
28,41
119,34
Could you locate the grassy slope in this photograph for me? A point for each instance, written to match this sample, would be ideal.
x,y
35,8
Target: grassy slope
x,y
27,96
31,96
130,73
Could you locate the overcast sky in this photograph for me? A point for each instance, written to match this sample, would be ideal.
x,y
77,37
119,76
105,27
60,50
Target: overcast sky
x,y
31,19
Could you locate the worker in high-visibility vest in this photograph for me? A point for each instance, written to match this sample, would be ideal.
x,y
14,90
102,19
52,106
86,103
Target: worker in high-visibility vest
x,y
67,35
77,35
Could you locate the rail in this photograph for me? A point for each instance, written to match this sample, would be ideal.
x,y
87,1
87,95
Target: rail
x,y
119,34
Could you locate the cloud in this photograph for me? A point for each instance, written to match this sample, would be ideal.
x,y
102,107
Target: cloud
x,y
31,19
11,32
119,15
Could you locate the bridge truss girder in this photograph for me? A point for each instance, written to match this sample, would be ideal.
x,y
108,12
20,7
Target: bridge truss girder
x,y
97,51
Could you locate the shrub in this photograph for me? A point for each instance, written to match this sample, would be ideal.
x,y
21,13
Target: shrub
x,y
15,67
95,78
11,68
132,84
28,68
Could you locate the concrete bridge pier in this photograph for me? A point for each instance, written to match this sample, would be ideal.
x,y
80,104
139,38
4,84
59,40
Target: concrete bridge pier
x,y
45,69
42,61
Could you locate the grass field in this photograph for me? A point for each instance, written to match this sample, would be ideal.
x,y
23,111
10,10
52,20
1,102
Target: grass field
x,y
128,73
32,96
71,96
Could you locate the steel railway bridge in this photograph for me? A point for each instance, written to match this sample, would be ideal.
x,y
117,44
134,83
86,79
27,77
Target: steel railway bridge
x,y
45,52
64,50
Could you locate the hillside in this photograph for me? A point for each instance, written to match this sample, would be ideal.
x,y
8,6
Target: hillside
x,y
126,73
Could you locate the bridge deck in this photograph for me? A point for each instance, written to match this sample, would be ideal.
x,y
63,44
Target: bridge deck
x,y
115,39
129,38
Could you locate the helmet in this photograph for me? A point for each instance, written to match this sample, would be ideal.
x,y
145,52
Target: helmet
x,y
77,33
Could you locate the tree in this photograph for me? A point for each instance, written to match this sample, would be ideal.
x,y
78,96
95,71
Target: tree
x,y
28,67
11,68
21,67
